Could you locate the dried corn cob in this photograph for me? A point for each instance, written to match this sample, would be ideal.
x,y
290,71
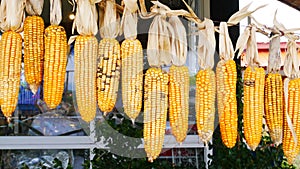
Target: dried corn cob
x,y
205,103
132,77
155,111
226,78
179,101
55,64
254,79
33,51
291,149
108,74
274,106
11,57
85,58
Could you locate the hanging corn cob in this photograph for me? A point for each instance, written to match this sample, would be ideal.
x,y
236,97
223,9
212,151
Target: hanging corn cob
x,y
85,59
179,82
11,17
132,62
291,128
156,84
55,57
206,83
34,44
274,92
226,77
254,78
109,57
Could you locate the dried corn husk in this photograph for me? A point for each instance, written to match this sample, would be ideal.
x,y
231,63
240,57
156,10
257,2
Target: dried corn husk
x,y
110,22
34,7
12,14
55,12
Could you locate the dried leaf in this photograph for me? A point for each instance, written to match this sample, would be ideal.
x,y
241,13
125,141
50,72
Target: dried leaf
x,y
180,41
131,5
34,7
206,45
274,60
241,14
242,41
225,47
291,64
129,23
110,26
86,18
55,12
277,24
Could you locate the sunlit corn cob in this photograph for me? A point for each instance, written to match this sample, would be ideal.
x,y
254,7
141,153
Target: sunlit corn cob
x,y
34,51
10,57
132,77
226,77
254,79
54,65
274,106
179,101
288,144
108,74
155,111
85,59
205,103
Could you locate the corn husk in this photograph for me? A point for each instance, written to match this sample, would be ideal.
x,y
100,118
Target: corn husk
x,y
55,12
110,22
34,7
12,15
129,20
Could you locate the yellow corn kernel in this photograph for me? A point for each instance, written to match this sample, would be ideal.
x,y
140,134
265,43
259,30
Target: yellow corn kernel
x,y
274,106
132,77
290,149
226,77
179,101
85,57
254,79
108,74
55,64
155,111
205,103
33,51
10,57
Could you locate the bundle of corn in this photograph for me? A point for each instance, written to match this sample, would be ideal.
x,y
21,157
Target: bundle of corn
x,y
226,77
274,92
254,78
291,128
132,62
109,65
11,17
156,84
34,44
55,57
179,82
85,58
206,83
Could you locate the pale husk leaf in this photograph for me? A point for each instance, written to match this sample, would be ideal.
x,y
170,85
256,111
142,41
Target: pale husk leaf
x,y
274,60
206,45
109,28
131,5
12,14
180,41
129,23
225,45
55,12
242,41
241,14
85,20
34,7
291,64
252,52
159,51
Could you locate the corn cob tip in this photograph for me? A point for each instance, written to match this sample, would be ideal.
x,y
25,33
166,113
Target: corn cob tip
x,y
276,136
253,148
150,159
8,119
34,88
